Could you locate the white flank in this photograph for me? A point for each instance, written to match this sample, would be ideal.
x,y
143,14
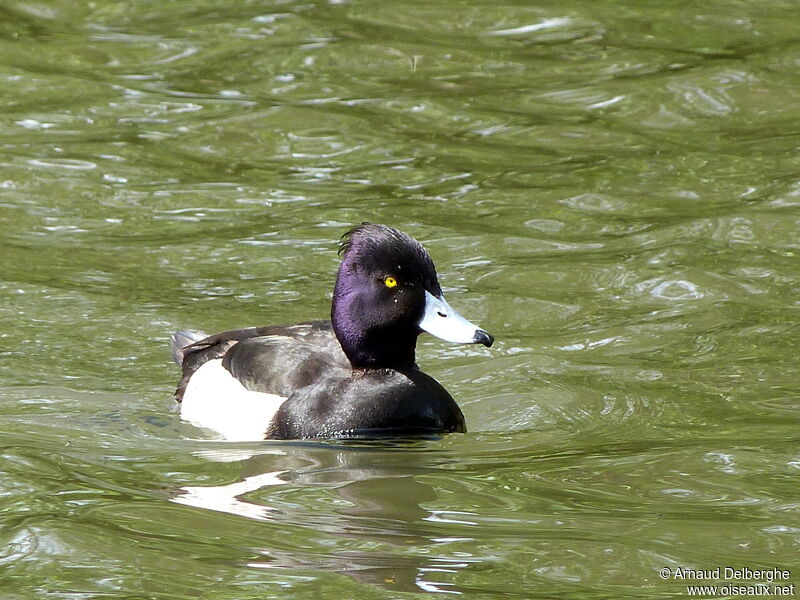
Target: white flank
x,y
214,399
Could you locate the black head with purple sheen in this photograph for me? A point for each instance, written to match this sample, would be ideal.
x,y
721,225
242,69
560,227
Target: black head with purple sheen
x,y
386,293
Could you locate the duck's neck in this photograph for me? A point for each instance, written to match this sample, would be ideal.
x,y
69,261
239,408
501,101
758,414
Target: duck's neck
x,y
375,348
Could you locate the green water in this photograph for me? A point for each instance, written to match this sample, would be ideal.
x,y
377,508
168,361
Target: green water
x,y
610,188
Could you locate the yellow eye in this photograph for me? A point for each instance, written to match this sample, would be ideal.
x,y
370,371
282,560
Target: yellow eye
x,y
389,281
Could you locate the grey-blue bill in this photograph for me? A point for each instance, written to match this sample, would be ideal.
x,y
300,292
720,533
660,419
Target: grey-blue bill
x,y
441,319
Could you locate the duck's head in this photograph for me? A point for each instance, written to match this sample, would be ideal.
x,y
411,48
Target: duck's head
x,y
386,294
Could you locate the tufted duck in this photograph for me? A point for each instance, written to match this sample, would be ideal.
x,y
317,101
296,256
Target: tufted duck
x,y
353,376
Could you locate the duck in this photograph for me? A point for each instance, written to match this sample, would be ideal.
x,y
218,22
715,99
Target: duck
x,y
353,376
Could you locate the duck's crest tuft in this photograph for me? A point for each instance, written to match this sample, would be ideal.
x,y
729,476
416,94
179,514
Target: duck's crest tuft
x,y
347,238
383,249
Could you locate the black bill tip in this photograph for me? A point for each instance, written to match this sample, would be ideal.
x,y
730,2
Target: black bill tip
x,y
483,337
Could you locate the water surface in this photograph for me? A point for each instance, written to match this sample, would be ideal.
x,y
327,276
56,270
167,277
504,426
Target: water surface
x,y
611,189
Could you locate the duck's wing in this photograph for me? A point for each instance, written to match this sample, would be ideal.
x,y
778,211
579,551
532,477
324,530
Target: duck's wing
x,y
283,363
275,359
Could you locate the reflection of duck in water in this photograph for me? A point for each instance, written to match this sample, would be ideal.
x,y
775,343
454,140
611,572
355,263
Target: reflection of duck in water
x,y
381,523
352,377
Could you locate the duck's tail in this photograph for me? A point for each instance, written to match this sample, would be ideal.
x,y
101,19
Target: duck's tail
x,y
183,338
